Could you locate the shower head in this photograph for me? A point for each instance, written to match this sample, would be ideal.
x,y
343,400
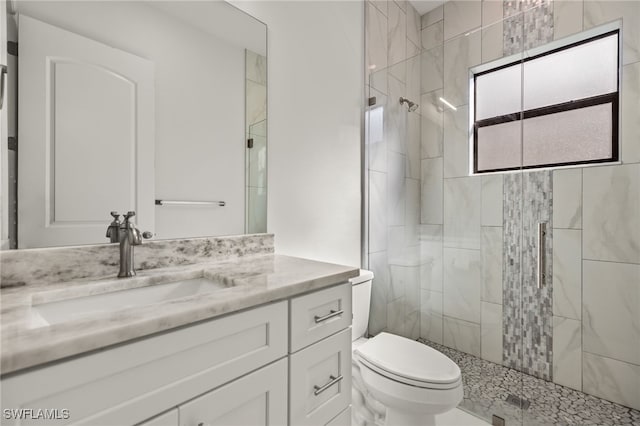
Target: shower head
x,y
411,105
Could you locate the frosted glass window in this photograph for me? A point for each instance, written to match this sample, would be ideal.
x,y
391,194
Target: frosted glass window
x,y
568,137
498,92
553,108
499,146
583,71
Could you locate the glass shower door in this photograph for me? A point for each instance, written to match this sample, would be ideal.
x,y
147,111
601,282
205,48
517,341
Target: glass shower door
x,y
495,383
580,275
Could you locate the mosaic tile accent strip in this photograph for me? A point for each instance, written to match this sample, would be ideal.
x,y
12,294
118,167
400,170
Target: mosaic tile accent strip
x,y
528,24
527,310
512,354
487,386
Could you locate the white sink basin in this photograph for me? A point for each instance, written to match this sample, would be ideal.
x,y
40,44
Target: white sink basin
x,y
68,309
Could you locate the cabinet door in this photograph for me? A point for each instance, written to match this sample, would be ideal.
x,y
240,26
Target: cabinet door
x,y
170,418
259,398
320,380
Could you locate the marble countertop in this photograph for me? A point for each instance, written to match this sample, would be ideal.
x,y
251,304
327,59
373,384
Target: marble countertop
x,y
28,340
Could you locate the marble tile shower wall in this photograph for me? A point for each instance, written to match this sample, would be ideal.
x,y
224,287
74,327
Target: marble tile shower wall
x,y
593,319
393,67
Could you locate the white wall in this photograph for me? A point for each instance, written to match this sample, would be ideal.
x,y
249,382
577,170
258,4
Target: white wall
x,y
315,80
199,107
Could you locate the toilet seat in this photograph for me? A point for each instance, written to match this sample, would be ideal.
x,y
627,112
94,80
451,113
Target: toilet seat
x,y
409,362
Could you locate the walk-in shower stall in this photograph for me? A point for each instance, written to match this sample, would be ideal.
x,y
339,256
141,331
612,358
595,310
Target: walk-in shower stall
x,y
502,176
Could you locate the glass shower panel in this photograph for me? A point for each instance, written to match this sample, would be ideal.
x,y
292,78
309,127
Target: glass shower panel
x,y
580,289
257,177
393,197
256,142
483,224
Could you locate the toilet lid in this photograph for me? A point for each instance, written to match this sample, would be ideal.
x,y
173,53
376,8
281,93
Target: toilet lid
x,y
408,359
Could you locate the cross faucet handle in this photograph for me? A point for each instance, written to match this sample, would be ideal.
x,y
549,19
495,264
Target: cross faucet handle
x,y
112,229
128,215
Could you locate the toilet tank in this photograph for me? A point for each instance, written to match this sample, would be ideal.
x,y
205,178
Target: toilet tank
x,y
361,299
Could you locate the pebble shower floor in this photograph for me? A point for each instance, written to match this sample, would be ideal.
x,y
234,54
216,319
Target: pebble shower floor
x,y
487,387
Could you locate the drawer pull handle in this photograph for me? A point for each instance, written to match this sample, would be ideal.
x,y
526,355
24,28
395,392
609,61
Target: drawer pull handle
x,y
319,389
328,316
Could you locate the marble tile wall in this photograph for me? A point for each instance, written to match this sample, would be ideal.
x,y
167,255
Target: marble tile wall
x,y
567,276
394,169
611,283
491,332
462,284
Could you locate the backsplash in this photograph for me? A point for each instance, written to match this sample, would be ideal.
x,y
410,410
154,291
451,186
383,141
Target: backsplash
x,y
49,265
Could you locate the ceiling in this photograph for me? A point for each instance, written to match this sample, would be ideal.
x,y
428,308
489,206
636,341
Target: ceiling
x,y
424,6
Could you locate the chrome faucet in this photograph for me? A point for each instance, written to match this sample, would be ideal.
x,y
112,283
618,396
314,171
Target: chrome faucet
x,y
129,236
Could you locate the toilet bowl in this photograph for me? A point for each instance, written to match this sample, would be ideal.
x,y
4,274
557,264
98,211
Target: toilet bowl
x,y
403,381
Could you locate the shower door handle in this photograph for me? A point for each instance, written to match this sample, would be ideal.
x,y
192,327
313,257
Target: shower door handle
x,y
542,264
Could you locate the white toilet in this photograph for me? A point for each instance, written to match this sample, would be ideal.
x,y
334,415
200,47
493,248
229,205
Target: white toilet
x,y
396,377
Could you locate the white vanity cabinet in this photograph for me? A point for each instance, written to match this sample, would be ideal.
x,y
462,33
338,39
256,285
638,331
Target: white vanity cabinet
x,y
239,369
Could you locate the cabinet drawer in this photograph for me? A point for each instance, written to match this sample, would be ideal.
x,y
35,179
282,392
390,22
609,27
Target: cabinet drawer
x,y
320,380
257,399
317,315
128,384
